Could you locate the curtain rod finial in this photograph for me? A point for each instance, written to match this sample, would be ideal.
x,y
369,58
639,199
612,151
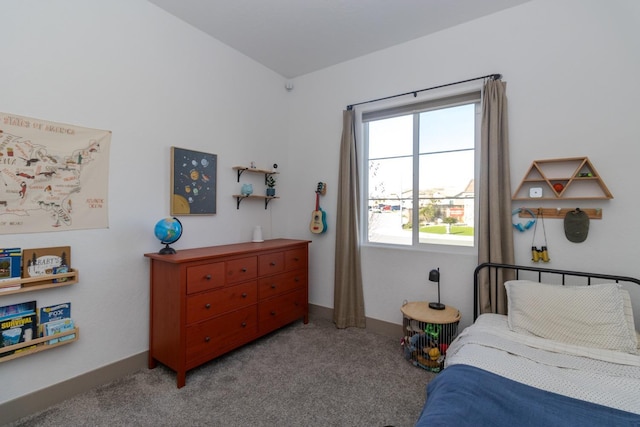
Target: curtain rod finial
x,y
349,107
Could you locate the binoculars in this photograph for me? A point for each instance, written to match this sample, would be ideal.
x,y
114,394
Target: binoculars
x,y
539,254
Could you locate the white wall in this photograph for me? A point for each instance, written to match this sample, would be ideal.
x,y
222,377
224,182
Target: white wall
x,y
155,82
572,68
129,67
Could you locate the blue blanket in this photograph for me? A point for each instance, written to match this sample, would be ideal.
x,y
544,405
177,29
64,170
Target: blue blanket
x,y
462,395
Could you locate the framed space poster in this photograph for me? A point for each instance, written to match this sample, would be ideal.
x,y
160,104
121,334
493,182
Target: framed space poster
x,y
193,182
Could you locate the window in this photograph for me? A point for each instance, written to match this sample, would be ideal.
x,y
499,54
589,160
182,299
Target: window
x,y
419,176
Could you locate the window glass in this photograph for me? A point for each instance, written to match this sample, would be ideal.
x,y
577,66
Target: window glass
x,y
423,158
391,137
447,129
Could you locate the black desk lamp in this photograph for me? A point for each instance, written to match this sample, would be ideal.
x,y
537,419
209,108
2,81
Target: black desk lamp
x,y
434,276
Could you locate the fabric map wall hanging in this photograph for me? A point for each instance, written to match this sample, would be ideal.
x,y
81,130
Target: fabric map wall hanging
x,y
53,176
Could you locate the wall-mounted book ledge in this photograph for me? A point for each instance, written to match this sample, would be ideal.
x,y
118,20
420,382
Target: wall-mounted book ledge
x,y
38,344
28,284
559,213
26,327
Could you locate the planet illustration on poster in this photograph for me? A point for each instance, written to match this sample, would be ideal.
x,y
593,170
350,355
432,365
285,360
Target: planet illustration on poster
x,y
168,231
193,182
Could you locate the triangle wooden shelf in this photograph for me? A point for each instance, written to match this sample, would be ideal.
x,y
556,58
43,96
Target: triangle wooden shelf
x,y
570,178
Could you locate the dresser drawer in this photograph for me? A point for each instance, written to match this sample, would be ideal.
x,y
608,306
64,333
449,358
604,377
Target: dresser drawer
x,y
209,339
295,259
214,303
205,277
278,311
274,285
271,263
242,269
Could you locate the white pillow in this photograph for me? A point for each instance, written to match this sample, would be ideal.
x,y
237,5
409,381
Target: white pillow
x,y
589,316
628,315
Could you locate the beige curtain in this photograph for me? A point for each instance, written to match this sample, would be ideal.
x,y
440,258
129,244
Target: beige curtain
x,y
348,299
495,233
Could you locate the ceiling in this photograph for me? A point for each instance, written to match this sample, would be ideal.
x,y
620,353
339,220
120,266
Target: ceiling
x,y
296,37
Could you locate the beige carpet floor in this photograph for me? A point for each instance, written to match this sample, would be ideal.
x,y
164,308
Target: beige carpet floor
x,y
302,375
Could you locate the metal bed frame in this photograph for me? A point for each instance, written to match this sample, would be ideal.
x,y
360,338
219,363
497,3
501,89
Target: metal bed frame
x,y
563,274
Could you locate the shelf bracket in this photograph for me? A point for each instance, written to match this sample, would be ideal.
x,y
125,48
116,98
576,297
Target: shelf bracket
x,y
266,202
240,173
238,198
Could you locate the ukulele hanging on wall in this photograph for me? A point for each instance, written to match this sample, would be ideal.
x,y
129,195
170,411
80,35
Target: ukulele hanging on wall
x,y
319,217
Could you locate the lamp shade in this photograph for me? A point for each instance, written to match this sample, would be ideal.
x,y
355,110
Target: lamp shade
x,y
434,276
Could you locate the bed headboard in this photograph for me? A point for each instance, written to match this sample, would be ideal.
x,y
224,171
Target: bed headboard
x,y
550,275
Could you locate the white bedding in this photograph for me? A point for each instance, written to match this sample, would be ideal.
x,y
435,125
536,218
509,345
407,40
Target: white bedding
x,y
604,377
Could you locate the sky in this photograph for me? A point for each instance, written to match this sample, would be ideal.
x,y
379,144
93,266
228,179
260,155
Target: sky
x,y
440,130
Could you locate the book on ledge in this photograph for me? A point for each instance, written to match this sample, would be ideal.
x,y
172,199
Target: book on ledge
x,y
10,267
17,310
43,261
58,326
52,313
18,323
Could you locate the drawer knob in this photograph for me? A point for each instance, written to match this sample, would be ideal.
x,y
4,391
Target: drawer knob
x,y
244,324
273,263
296,259
244,295
297,279
243,269
273,313
207,306
273,286
207,339
207,277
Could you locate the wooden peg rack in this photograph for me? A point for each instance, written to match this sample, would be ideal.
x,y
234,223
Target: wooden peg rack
x,y
559,213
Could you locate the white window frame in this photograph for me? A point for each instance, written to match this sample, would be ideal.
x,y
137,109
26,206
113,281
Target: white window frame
x,y
420,97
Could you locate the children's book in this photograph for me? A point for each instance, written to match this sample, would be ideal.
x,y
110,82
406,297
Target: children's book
x,y
57,327
42,261
17,330
10,264
17,310
54,312
59,270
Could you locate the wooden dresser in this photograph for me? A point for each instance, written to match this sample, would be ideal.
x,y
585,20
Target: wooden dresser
x,y
208,301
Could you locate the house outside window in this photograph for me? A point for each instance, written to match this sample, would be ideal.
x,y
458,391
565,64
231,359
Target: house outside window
x,y
420,173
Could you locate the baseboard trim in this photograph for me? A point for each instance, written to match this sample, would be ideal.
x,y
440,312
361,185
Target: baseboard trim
x,y
42,399
376,326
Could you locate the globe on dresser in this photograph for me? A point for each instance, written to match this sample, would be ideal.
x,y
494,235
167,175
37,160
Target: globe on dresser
x,y
168,230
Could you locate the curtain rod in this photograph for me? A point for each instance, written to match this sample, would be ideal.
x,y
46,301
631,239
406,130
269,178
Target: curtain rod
x,y
415,92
